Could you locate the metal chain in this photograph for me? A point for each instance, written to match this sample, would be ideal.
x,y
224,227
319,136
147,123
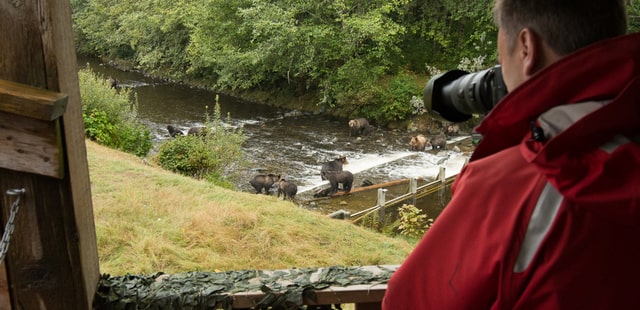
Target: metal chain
x,y
8,229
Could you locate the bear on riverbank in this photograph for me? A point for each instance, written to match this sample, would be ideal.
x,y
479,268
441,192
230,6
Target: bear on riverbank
x,y
286,188
264,181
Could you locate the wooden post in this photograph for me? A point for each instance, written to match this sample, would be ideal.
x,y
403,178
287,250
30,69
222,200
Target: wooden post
x,y
382,201
413,189
442,176
52,262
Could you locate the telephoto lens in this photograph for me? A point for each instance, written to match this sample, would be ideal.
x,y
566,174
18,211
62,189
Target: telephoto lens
x,y
456,95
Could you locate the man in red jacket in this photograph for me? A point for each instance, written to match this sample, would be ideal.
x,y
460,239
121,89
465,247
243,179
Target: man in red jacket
x,y
549,220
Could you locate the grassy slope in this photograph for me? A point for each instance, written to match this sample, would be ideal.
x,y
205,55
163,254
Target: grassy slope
x,y
150,220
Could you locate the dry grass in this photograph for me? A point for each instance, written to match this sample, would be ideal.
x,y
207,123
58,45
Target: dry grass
x,y
150,220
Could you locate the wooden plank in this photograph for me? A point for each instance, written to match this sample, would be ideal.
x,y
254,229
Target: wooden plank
x,y
52,261
29,101
60,55
365,294
30,145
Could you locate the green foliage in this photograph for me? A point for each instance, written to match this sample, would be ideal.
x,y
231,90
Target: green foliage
x,y
413,223
110,117
633,10
393,102
210,156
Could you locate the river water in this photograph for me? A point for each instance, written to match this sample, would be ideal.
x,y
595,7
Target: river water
x,y
280,141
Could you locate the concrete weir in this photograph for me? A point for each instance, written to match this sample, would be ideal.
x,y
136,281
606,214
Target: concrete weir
x,y
363,163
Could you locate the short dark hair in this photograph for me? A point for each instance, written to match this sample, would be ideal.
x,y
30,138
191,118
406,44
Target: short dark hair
x,y
564,25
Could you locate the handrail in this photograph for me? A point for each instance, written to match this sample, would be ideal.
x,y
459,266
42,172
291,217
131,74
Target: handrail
x,y
414,192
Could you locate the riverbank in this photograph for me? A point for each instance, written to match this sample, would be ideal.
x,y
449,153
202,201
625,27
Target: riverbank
x,y
150,220
303,103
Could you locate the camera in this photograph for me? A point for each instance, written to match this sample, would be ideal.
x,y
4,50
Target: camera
x,y
456,95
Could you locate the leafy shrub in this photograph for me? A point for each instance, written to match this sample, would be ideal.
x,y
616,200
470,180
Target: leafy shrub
x,y
392,101
110,117
210,157
412,222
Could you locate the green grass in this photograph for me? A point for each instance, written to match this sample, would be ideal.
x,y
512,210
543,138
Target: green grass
x,y
150,220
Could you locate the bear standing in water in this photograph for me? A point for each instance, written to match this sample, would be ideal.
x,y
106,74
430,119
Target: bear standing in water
x,y
418,142
438,142
264,181
174,132
334,165
359,126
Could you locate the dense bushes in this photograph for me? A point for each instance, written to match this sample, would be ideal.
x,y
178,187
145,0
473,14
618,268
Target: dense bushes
x,y
210,156
353,56
110,115
343,52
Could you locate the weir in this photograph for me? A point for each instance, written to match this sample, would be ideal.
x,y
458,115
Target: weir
x,y
452,164
357,165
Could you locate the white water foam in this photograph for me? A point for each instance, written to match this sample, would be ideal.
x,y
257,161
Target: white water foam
x,y
358,164
400,165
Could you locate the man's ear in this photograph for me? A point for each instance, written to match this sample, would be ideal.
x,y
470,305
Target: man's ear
x,y
529,48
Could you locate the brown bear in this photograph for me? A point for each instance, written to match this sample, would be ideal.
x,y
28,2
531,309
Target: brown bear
x,y
438,142
418,142
340,177
334,165
197,131
264,181
359,126
286,188
174,132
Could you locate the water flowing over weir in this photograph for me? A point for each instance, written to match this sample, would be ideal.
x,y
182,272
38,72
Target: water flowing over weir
x,y
283,142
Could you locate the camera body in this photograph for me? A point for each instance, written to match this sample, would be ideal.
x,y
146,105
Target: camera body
x,y
456,95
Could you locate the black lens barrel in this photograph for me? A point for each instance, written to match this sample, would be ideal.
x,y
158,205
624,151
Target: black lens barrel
x,y
456,95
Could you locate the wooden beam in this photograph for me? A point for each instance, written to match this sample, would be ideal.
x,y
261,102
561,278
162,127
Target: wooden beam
x,y
32,102
52,261
353,294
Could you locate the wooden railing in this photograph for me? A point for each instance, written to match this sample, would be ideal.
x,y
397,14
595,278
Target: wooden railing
x,y
415,192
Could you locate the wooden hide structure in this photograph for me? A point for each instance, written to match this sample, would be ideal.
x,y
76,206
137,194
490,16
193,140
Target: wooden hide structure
x,y
52,259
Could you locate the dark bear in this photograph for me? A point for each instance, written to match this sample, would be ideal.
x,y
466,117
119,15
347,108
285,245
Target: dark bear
x,y
438,142
359,126
340,177
174,132
264,181
114,83
334,165
286,188
418,142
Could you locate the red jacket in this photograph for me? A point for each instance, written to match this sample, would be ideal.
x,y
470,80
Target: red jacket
x,y
543,225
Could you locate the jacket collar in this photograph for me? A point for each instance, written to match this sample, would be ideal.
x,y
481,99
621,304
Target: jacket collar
x,y
598,72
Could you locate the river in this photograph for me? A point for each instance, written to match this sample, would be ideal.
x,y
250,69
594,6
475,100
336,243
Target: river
x,y
280,141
